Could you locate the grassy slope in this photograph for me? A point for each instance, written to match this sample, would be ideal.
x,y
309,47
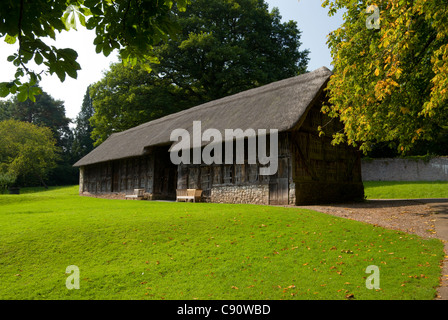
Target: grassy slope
x,y
405,189
161,250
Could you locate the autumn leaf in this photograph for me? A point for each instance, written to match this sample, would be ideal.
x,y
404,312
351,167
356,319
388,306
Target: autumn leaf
x,y
350,296
389,84
377,72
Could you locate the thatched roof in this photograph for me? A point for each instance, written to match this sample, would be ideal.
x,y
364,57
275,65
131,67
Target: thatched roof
x,y
279,105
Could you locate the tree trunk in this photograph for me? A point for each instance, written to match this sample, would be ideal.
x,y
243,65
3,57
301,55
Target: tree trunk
x,y
42,181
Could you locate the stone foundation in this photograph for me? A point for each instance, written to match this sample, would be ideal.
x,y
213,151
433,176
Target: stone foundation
x,y
114,195
254,194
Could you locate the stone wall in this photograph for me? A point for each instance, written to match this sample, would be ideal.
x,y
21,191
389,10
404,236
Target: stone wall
x,y
388,169
254,194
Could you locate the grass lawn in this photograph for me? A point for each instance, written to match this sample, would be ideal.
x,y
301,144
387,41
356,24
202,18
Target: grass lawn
x,y
405,189
165,250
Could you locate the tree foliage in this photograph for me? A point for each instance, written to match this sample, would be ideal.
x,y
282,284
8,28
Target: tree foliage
x,y
50,113
127,97
390,85
225,47
132,27
45,111
26,150
230,46
82,141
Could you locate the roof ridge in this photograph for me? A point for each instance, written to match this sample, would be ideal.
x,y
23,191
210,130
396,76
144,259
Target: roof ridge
x,y
216,103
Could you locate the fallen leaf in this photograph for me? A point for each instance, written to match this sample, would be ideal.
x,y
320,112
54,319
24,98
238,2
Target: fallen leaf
x,y
350,296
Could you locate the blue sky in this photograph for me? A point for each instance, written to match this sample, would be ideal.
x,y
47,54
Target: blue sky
x,y
315,25
311,18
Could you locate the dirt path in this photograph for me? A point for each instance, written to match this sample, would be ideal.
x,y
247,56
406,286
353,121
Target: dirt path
x,y
405,215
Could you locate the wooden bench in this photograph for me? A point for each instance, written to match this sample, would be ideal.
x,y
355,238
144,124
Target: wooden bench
x,y
188,194
138,194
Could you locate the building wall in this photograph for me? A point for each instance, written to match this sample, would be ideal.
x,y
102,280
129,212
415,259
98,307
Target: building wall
x,y
238,183
310,170
322,172
254,194
120,176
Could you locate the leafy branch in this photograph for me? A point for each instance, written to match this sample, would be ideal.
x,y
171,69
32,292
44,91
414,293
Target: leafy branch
x,y
30,21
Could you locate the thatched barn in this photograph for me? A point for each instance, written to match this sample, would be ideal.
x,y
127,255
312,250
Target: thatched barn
x,y
310,169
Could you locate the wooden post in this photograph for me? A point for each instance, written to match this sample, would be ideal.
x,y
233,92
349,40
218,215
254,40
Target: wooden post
x,y
81,180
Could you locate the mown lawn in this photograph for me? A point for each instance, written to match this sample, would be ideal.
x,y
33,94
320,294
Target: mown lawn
x,y
406,189
164,250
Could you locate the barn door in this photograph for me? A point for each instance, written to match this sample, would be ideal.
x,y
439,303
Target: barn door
x,y
279,184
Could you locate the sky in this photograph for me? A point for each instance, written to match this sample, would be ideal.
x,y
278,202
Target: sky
x,y
311,19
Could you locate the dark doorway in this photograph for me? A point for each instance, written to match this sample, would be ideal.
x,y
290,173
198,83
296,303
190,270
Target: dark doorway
x,y
279,184
165,175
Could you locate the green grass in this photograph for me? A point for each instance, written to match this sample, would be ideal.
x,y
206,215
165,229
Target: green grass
x,y
405,189
162,250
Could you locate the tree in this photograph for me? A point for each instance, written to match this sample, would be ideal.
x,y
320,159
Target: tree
x,y
132,27
46,112
50,113
230,46
225,47
127,97
5,110
26,150
82,142
390,84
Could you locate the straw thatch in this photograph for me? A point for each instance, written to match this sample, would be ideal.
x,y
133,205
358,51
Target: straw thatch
x,y
279,105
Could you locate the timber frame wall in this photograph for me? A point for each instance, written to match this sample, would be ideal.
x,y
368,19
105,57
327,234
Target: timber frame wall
x,y
310,170
119,176
240,183
153,172
323,172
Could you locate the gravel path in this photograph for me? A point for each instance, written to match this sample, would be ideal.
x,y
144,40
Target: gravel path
x,y
406,215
